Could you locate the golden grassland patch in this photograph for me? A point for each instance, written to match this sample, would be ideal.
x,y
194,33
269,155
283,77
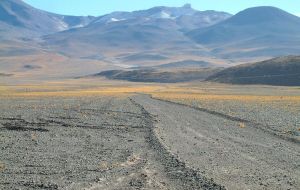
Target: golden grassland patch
x,y
3,88
4,91
62,91
201,92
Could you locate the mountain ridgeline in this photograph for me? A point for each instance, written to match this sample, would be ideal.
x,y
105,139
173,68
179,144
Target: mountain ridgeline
x,y
254,32
18,17
159,29
160,41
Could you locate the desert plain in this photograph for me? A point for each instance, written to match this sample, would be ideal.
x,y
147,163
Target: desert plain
x,y
102,134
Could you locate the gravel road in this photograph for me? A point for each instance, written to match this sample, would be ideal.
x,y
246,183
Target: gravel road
x,y
235,154
93,143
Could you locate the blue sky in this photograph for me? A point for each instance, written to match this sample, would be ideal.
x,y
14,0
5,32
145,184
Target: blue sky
x,y
100,7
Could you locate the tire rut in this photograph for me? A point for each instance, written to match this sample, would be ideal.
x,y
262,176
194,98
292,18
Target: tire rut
x,y
260,126
190,178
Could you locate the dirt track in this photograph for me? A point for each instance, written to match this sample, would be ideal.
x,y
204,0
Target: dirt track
x,y
136,143
233,154
86,143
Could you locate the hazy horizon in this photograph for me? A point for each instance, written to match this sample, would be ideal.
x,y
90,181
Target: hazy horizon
x,y
98,8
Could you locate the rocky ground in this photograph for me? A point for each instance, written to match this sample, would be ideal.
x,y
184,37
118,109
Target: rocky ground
x,y
86,143
280,115
235,153
137,142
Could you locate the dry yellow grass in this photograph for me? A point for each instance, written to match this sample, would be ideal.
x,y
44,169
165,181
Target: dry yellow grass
x,y
177,92
103,166
67,91
34,137
242,125
4,91
2,167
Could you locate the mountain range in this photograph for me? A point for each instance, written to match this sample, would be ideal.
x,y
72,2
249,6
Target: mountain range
x,y
21,20
255,31
156,36
159,31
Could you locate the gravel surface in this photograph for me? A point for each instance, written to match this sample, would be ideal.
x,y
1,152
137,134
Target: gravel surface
x,y
87,143
236,154
282,117
137,143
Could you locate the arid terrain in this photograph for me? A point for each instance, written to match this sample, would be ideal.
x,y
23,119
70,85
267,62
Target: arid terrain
x,y
118,137
150,95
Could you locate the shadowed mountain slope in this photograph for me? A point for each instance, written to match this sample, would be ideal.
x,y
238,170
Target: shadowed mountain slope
x,y
279,71
160,76
258,31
